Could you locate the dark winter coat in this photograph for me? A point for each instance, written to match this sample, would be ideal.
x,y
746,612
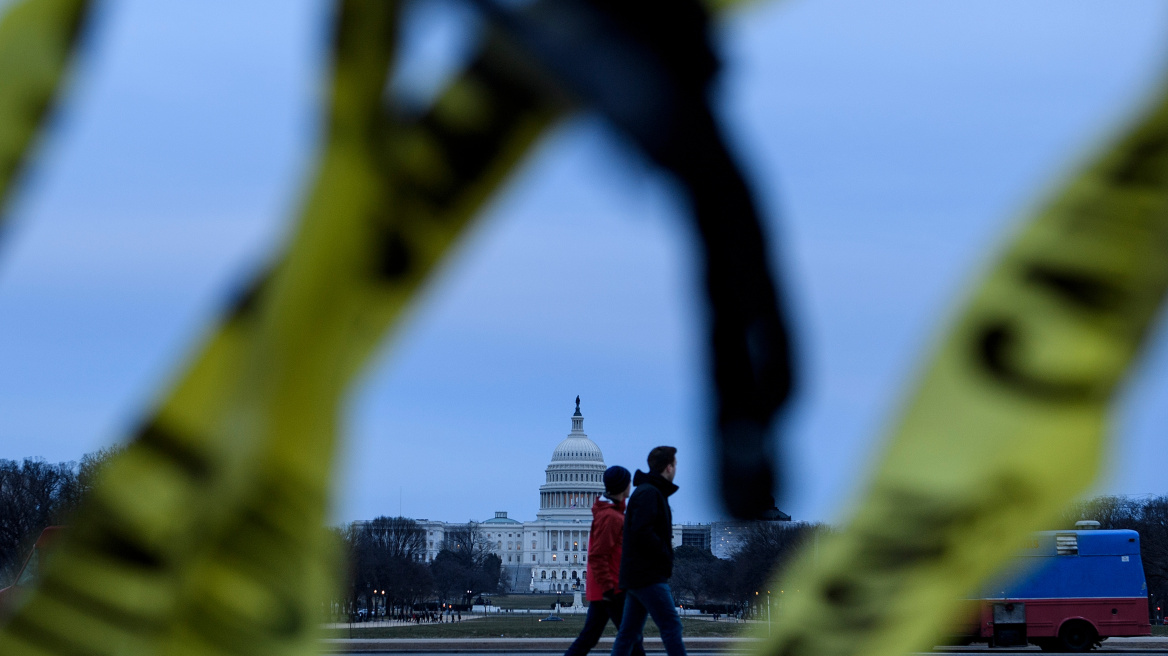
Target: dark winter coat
x,y
647,556
604,548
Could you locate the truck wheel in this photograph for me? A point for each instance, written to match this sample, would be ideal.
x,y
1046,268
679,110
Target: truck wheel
x,y
1077,636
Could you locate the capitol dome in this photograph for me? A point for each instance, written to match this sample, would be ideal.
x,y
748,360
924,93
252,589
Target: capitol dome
x,y
575,476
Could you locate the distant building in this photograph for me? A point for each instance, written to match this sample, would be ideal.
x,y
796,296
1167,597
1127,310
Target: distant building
x,y
550,554
695,535
726,536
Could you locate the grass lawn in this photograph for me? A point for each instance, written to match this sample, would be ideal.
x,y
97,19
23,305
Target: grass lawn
x,y
1159,630
518,626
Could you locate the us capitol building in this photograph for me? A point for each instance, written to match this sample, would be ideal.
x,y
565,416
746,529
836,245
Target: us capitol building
x,y
550,554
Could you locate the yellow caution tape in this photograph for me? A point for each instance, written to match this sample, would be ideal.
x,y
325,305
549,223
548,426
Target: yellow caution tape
x,y
475,128
1008,423
205,534
36,37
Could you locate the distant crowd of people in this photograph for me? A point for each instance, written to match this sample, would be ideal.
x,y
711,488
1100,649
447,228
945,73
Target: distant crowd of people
x,y
434,617
417,617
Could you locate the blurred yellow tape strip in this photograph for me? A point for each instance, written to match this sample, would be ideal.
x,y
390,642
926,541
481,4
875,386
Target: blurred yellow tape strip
x,y
206,534
36,38
259,401
1009,422
433,174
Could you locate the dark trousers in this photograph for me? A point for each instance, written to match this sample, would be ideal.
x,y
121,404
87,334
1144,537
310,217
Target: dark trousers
x,y
654,601
599,613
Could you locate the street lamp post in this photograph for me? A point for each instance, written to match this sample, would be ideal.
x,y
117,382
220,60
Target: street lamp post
x,y
768,612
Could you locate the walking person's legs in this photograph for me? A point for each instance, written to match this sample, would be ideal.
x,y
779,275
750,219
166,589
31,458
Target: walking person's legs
x,y
618,610
598,614
658,601
631,626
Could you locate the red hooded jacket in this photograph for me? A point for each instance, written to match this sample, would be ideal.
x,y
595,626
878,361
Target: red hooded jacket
x,y
604,548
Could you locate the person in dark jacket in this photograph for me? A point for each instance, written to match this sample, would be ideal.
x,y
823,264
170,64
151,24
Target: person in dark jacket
x,y
606,600
647,557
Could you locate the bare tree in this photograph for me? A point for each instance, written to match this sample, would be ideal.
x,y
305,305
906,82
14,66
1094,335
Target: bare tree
x,y
33,494
767,548
386,554
397,537
469,539
1109,511
698,575
466,565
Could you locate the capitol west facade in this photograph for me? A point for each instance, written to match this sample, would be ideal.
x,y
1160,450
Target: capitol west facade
x,y
550,554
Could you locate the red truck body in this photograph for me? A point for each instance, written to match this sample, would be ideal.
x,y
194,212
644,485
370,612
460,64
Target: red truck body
x,y
1068,591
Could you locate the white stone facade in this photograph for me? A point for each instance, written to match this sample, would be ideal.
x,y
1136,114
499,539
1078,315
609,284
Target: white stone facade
x,y
549,554
557,541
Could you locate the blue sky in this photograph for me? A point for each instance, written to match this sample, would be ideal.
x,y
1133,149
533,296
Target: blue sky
x,y
892,144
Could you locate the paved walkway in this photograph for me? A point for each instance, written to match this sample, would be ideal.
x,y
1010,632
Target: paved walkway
x,y
512,645
377,624
520,645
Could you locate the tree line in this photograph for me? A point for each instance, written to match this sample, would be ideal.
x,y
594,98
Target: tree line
x,y
1146,515
742,581
387,556
35,494
388,572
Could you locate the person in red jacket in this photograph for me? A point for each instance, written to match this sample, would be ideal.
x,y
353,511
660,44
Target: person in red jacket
x,y
606,600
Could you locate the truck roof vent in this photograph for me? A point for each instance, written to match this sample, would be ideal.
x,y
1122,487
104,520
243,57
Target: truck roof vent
x,y
1087,525
1066,544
